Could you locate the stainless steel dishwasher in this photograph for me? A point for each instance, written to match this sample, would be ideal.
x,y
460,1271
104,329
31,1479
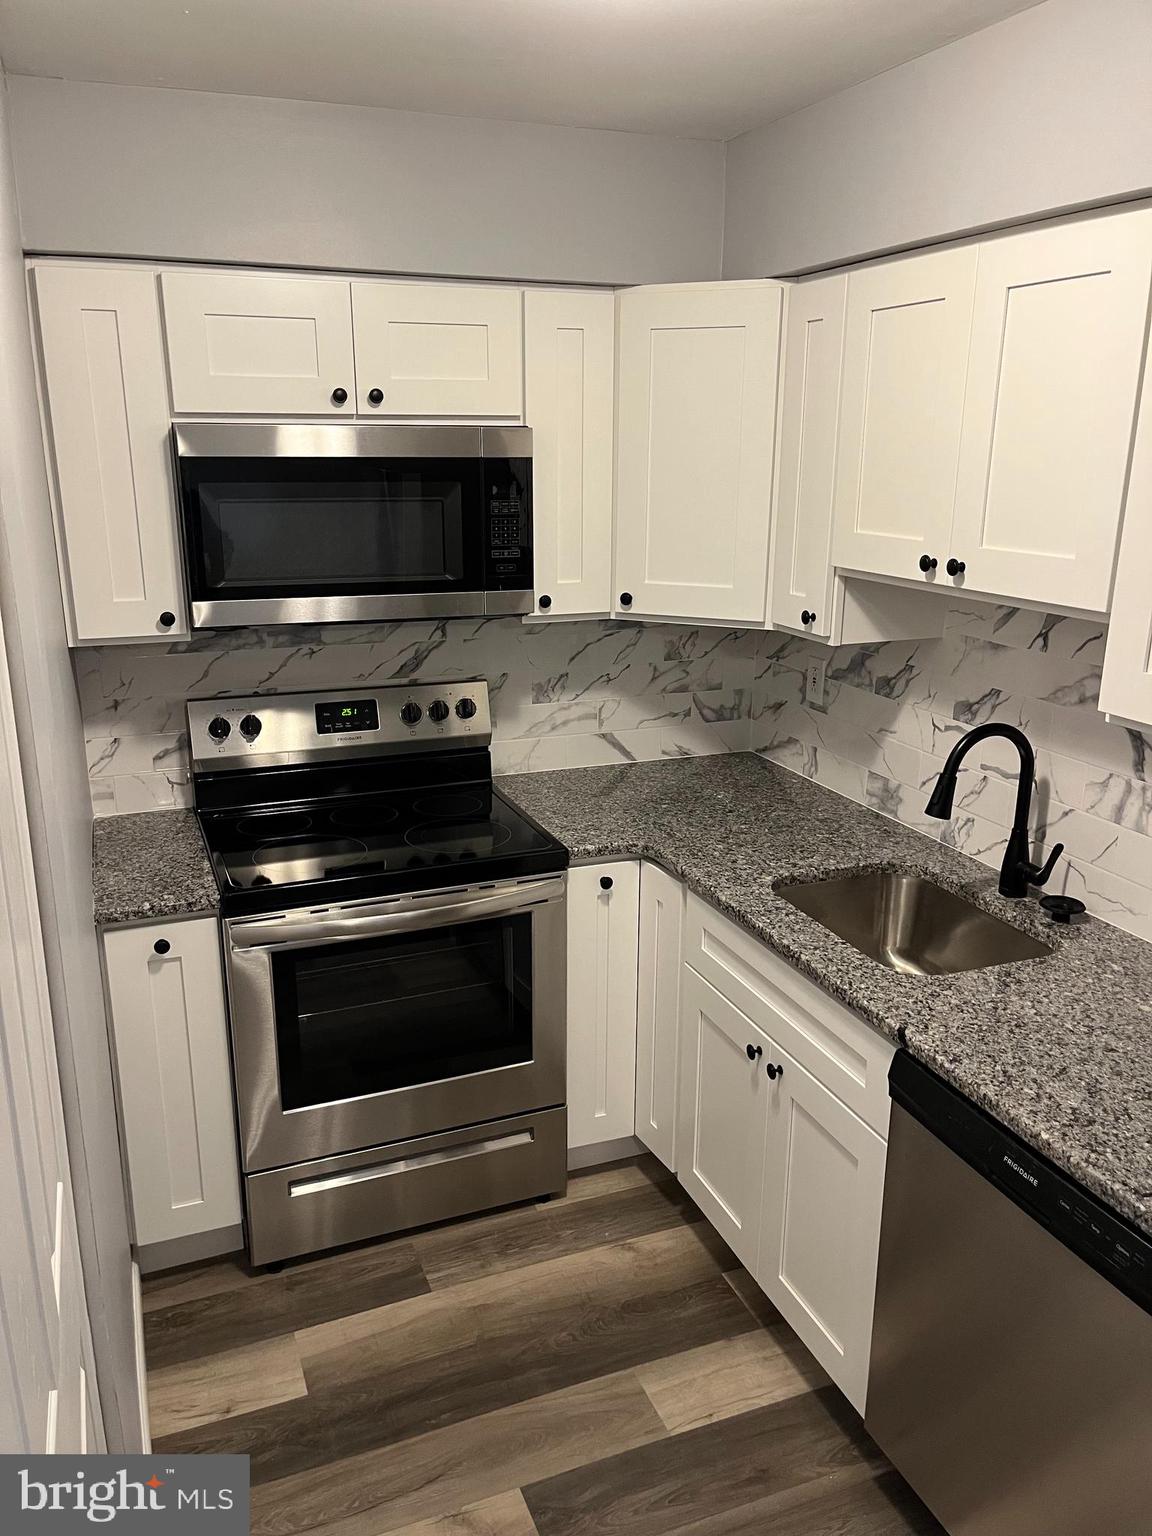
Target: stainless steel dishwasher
x,y
1011,1377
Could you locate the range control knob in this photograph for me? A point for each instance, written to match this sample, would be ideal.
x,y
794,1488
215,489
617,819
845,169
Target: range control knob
x,y
466,708
438,710
411,713
219,728
250,727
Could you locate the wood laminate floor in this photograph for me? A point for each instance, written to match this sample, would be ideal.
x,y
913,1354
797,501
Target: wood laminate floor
x,y
583,1367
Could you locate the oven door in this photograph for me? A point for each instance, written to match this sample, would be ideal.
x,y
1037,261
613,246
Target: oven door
x,y
379,1021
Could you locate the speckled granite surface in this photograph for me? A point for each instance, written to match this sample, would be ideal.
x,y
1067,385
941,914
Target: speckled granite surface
x,y
1058,1049
150,865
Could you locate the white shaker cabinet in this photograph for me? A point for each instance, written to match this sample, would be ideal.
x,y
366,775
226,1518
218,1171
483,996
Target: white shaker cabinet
x,y
603,920
166,1001
569,376
1053,383
259,344
802,574
106,408
901,413
721,1127
1126,687
658,1011
696,412
820,1223
438,349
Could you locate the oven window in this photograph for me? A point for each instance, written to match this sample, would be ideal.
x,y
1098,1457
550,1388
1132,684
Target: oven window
x,y
376,1014
286,527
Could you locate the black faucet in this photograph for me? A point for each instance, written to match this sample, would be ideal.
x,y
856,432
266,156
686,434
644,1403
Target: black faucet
x,y
1017,872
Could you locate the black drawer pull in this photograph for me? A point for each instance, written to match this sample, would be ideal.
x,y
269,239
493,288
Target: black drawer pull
x,y
605,882
161,946
774,1071
754,1051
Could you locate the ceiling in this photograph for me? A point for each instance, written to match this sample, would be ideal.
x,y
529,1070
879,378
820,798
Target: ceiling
x,y
697,68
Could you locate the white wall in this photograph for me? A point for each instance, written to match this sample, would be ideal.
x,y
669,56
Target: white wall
x,y
133,171
53,764
1049,110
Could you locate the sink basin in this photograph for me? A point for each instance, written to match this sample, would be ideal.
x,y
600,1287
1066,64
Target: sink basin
x,y
911,924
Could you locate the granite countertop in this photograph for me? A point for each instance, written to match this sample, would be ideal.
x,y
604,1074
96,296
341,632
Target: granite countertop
x,y
1058,1049
153,864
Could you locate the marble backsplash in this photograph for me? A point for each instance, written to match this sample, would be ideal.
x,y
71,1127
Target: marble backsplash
x,y
892,712
563,695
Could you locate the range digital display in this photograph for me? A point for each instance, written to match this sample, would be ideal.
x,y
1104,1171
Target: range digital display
x,y
347,715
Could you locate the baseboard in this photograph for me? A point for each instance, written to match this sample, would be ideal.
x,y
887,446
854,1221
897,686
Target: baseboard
x,y
604,1152
189,1250
141,1365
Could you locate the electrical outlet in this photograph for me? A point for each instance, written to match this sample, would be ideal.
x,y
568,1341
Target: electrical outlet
x,y
814,676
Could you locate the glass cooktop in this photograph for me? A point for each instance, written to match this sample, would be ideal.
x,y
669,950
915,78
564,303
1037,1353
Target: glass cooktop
x,y
372,844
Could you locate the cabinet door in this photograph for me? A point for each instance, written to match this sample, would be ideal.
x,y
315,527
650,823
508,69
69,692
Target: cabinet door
x,y
721,1126
695,444
1126,687
569,372
171,1037
603,915
431,349
253,345
106,400
901,410
820,1233
658,1011
1053,383
802,521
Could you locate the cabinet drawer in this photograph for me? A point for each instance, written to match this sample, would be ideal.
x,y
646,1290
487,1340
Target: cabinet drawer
x,y
840,1050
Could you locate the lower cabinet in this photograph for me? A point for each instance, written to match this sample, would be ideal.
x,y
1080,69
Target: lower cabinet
x,y
723,1103
603,919
820,1222
166,994
658,1011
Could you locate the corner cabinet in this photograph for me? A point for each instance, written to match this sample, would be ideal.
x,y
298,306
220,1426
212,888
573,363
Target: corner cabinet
x,y
106,411
569,381
603,922
696,412
170,1034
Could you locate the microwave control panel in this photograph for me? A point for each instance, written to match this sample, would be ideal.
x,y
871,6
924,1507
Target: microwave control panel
x,y
508,551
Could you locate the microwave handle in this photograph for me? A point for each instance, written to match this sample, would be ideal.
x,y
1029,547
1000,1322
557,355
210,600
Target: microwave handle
x,y
304,930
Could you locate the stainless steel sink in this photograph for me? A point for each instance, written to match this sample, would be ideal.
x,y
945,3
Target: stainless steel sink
x,y
911,924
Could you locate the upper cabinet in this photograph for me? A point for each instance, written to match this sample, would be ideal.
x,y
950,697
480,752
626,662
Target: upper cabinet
x,y
696,410
1126,687
106,406
802,575
901,414
437,349
1053,383
569,367
987,412
263,346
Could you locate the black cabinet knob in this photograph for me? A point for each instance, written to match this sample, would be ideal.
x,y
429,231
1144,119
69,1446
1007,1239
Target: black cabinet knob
x,y
1062,909
161,946
605,882
625,599
955,567
753,1051
928,562
774,1071
808,616
339,396
375,397
544,601
167,619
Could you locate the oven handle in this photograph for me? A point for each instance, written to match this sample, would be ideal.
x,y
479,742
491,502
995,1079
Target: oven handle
x,y
306,930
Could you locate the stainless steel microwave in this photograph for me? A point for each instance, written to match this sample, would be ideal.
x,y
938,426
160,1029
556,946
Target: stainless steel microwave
x,y
299,523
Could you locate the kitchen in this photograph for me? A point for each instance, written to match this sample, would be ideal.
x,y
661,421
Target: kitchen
x,y
580,764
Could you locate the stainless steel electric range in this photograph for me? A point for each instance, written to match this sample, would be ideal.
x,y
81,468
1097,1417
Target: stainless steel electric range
x,y
394,939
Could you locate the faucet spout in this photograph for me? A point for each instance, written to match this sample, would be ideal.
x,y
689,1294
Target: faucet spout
x,y
1017,872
